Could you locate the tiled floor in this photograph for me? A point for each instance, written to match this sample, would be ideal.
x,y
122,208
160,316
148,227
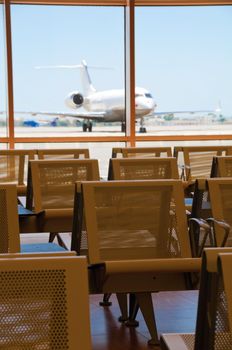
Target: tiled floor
x,y
175,312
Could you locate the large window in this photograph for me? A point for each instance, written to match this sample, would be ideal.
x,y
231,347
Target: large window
x,y
72,64
184,58
56,49
3,119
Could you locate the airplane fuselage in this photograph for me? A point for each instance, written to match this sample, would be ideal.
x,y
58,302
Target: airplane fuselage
x,y
113,103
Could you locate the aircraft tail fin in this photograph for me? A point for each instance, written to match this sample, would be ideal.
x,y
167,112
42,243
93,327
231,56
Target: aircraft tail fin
x,y
87,85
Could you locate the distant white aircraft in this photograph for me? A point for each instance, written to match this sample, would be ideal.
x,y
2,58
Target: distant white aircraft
x,y
107,105
101,106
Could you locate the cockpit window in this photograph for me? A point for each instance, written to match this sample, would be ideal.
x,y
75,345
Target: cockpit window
x,y
148,95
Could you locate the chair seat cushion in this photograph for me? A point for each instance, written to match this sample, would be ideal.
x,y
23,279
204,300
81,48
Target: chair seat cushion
x,y
41,247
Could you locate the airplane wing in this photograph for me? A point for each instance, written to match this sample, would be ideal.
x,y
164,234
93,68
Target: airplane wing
x,y
97,116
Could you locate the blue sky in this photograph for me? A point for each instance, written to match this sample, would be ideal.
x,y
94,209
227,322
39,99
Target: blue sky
x,y
183,54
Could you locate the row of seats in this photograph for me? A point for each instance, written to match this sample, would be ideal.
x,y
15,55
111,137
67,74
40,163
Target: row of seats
x,y
51,188
14,163
118,219
193,162
135,248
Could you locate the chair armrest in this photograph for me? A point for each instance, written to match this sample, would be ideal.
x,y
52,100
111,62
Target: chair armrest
x,y
153,265
194,234
201,223
224,225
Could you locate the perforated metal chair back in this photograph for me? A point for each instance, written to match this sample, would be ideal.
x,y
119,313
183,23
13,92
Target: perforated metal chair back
x,y
43,303
9,226
14,167
224,309
135,220
213,330
220,190
53,181
197,160
73,153
143,168
222,167
141,152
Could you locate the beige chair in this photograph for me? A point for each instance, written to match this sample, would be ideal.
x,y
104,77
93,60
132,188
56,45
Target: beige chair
x,y
222,167
137,240
214,315
69,153
9,226
14,166
200,211
220,190
143,168
214,204
198,160
141,152
43,303
51,185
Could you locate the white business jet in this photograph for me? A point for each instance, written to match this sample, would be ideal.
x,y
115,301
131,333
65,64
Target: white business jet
x,y
102,106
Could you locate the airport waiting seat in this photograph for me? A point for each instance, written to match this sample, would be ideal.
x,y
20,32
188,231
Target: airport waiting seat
x,y
214,204
51,185
14,167
214,314
43,303
137,240
197,160
9,226
222,167
200,211
220,191
69,153
141,152
142,168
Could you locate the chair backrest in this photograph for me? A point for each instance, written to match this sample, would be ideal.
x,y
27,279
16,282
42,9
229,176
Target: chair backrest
x,y
43,303
52,182
220,190
225,263
14,166
135,220
138,152
198,160
9,225
212,327
201,207
222,167
73,153
143,168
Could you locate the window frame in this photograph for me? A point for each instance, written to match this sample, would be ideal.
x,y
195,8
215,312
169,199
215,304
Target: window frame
x,y
130,136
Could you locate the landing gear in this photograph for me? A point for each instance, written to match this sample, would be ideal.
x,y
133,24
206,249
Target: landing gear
x,y
142,128
123,127
87,126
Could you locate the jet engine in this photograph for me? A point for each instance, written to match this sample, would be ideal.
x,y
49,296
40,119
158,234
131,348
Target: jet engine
x,y
74,100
